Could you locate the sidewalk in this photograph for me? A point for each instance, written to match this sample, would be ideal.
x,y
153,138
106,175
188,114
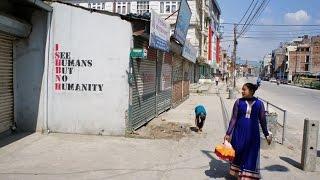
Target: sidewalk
x,y
63,156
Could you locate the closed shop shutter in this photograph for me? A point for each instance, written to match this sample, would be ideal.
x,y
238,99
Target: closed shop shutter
x,y
177,80
164,79
143,86
6,82
186,78
191,72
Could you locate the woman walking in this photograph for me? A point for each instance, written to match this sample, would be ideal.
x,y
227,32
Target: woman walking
x,y
248,111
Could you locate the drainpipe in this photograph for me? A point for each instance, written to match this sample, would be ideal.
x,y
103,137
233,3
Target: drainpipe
x,y
49,16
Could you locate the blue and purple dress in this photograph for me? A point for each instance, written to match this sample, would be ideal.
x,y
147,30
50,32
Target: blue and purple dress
x,y
244,128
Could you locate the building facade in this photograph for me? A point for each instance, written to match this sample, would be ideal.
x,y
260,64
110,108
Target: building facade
x,y
315,54
298,57
203,32
279,62
267,65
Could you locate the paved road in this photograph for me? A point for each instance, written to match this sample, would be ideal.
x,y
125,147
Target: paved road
x,y
300,103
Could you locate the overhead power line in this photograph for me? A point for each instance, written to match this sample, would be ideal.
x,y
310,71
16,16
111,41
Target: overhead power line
x,y
255,17
246,22
271,31
246,11
278,33
258,14
272,25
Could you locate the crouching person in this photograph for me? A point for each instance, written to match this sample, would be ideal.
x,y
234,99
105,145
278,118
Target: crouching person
x,y
201,114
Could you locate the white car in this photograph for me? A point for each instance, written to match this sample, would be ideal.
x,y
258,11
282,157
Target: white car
x,y
273,80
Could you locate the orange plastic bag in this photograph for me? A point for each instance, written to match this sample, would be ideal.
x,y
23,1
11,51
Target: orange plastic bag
x,y
225,151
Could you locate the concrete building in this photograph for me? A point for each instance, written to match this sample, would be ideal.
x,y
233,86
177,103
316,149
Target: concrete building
x,y
300,56
223,64
280,59
267,65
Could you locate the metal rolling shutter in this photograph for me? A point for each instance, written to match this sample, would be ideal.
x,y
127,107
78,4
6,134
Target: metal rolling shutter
x,y
6,82
143,87
164,79
186,78
177,79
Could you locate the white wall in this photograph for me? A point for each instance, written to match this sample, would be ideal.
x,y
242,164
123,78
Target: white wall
x,y
106,40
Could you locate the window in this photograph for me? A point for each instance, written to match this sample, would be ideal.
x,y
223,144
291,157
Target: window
x,y
169,7
307,59
308,49
96,5
128,7
118,9
306,67
161,7
174,7
142,7
123,7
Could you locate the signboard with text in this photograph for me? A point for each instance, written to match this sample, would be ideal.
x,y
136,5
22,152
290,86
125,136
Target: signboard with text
x,y
189,52
138,53
159,33
183,21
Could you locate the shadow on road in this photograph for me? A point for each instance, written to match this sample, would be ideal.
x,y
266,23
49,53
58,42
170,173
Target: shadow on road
x,y
7,138
218,168
278,168
194,129
291,162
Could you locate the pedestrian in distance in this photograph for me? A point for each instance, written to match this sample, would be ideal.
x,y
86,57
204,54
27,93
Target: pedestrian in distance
x,y
201,114
243,133
216,79
258,81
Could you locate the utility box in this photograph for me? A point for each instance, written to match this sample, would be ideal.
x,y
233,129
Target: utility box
x,y
272,121
309,145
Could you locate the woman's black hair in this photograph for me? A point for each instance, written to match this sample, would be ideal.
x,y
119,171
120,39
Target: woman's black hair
x,y
251,87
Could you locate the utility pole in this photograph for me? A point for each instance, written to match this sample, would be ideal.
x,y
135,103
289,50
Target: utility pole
x,y
234,54
296,64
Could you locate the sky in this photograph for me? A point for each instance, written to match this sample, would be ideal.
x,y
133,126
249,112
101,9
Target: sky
x,y
299,12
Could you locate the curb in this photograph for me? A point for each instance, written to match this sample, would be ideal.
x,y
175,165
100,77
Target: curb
x,y
225,112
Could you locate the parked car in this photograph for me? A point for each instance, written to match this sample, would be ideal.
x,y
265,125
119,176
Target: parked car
x,y
273,80
265,78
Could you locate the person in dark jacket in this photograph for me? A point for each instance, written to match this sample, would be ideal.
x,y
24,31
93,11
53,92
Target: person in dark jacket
x,y
201,114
